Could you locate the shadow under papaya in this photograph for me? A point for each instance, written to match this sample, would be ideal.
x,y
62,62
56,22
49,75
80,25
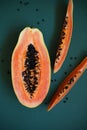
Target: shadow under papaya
x,y
8,45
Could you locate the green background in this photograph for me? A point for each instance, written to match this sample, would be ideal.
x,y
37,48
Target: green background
x,y
48,16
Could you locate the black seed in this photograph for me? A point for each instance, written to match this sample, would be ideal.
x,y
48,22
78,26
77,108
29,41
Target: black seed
x,y
64,101
35,82
70,65
66,17
35,72
43,20
75,76
65,73
46,103
20,2
8,72
38,22
62,37
59,49
75,58
60,41
62,91
31,48
2,60
57,55
63,33
65,23
26,3
66,98
55,80
33,88
23,73
58,95
18,9
35,78
79,71
51,80
71,80
37,9
71,58
66,87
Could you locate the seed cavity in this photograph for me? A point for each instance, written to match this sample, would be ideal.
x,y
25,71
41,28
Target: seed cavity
x,y
65,22
32,70
62,37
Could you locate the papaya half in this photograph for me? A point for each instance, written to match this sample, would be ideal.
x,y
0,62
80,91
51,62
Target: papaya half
x,y
30,68
65,38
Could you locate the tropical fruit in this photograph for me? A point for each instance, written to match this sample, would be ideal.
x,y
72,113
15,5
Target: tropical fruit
x,y
30,68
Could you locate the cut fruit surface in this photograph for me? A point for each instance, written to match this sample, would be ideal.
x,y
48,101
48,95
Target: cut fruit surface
x,y
30,68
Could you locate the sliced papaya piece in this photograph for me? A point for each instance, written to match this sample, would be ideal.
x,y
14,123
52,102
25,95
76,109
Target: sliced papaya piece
x,y
65,38
30,68
68,83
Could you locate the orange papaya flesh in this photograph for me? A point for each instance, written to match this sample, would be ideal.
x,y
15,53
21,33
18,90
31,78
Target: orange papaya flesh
x,y
65,38
68,83
30,68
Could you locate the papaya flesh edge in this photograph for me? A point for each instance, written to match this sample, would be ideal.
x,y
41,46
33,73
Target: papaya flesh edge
x,y
68,83
31,82
65,38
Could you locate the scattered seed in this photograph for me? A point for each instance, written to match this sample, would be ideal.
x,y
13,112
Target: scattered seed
x,y
66,98
51,80
65,73
70,65
37,9
38,22
18,9
26,3
20,2
8,72
55,80
71,58
75,58
64,101
2,60
43,20
46,103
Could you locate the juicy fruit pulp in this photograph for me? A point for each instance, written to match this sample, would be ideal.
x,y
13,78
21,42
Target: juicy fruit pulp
x,y
30,68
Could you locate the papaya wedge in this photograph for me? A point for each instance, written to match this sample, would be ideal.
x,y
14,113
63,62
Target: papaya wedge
x,y
65,38
68,83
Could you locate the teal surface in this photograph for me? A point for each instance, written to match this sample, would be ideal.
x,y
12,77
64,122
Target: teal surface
x,y
48,16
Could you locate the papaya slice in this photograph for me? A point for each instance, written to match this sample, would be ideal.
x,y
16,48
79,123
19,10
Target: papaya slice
x,y
30,68
65,38
68,83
